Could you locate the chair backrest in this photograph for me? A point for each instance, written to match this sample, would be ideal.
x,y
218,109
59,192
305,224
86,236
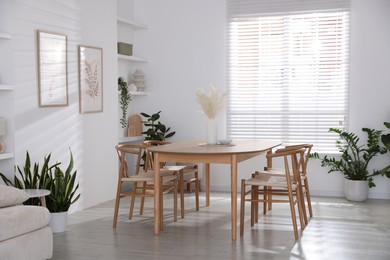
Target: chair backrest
x,y
304,159
125,151
291,156
150,154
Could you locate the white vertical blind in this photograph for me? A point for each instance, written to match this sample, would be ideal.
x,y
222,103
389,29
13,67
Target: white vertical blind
x,y
288,70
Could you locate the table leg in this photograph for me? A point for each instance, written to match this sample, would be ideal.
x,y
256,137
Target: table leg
x,y
156,195
234,195
207,173
43,201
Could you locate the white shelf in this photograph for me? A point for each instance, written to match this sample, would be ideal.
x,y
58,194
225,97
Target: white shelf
x,y
133,24
6,87
130,139
131,58
5,36
4,156
138,93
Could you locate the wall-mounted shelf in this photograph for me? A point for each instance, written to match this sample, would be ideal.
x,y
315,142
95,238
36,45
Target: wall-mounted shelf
x,y
133,24
4,156
5,36
131,58
6,87
138,93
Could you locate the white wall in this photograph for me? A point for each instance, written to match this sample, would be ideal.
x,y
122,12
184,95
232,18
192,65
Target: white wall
x,y
185,46
41,131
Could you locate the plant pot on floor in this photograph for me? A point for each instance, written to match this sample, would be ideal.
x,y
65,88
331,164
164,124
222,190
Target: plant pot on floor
x,y
58,221
356,190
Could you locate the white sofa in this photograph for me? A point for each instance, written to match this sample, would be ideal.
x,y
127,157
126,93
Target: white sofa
x,y
24,230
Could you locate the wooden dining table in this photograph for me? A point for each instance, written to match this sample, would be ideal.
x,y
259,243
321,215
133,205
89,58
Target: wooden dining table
x,y
198,152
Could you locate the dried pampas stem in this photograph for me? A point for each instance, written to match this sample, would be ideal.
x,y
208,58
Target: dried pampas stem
x,y
212,103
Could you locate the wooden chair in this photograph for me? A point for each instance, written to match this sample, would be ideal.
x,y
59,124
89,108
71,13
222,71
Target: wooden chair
x,y
187,175
303,160
145,177
275,185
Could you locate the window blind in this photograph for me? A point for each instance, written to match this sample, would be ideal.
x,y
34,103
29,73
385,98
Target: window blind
x,y
288,70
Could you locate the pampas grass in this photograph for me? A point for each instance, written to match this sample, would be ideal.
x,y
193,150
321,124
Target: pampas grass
x,y
211,103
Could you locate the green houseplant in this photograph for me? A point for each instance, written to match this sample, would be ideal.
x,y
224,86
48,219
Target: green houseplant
x,y
31,177
63,188
124,101
354,160
155,129
385,138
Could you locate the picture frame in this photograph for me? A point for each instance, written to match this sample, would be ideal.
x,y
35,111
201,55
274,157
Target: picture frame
x,y
52,69
90,79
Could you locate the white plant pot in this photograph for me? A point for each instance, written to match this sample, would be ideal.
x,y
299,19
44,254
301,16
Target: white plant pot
x,y
59,221
356,190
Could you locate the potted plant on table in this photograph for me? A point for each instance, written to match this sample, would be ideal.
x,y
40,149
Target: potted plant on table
x,y
354,161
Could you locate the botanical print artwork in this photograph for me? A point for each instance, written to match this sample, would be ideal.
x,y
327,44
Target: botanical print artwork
x,y
52,69
90,79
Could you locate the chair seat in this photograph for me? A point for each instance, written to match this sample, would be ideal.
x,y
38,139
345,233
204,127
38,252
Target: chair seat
x,y
149,177
264,179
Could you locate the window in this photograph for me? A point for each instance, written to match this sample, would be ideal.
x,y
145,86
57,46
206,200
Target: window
x,y
288,74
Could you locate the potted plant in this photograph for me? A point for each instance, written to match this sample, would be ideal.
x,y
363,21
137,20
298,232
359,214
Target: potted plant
x,y
156,130
124,101
30,177
63,188
354,161
385,138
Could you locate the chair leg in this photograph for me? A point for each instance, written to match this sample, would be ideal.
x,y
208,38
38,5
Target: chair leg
x,y
301,207
132,201
253,206
141,208
181,184
242,207
189,187
308,197
293,215
265,195
175,201
302,210
270,198
197,188
117,200
161,207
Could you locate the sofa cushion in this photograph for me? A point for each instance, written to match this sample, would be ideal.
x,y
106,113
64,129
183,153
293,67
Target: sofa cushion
x,y
10,196
37,244
20,219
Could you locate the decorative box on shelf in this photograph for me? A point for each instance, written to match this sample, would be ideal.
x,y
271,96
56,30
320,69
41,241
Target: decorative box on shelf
x,y
125,48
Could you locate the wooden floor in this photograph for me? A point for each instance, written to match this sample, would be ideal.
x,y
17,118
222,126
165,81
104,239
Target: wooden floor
x,y
339,230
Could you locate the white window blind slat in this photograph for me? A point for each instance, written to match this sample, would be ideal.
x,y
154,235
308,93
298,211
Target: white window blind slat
x,y
288,63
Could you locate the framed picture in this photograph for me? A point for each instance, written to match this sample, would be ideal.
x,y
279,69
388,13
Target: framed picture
x,y
52,69
90,79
